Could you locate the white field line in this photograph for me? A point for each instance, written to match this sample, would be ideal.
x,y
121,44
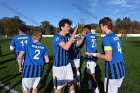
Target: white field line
x,y
8,88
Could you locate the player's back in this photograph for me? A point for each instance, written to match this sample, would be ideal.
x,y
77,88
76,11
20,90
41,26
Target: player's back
x,y
20,41
35,53
90,43
116,45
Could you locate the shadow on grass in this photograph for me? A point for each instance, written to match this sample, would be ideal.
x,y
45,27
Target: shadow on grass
x,y
7,81
3,67
6,61
8,78
7,54
16,84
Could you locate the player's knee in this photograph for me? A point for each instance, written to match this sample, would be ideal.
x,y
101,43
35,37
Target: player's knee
x,y
34,90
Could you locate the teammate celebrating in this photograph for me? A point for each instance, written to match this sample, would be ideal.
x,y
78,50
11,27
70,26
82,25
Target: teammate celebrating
x,y
114,61
62,71
90,45
76,54
33,66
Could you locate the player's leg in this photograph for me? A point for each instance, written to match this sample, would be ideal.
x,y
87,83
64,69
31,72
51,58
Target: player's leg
x,y
112,85
36,83
59,78
71,87
77,65
95,85
73,69
69,77
88,71
27,84
91,75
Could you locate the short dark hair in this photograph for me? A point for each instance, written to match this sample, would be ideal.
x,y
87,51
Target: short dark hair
x,y
63,22
88,27
106,21
23,28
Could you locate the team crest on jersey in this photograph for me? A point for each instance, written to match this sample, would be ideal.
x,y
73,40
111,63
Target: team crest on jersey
x,y
57,38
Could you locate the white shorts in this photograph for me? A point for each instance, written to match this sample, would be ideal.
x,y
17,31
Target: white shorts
x,y
91,67
62,76
28,83
113,85
76,63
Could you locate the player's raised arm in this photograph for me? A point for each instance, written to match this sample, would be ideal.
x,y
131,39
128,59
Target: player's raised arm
x,y
67,45
80,41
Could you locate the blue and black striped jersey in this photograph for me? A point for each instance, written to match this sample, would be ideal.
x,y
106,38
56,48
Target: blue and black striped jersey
x,y
90,45
20,41
33,64
61,56
115,68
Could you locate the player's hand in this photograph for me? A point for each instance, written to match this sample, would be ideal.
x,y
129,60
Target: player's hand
x,y
91,54
20,69
75,30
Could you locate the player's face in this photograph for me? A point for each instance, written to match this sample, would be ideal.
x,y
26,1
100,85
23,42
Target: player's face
x,y
66,28
86,30
102,28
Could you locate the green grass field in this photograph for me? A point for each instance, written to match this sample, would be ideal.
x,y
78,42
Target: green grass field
x,y
10,76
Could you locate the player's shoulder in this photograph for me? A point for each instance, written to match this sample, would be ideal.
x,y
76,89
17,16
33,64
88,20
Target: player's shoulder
x,y
57,37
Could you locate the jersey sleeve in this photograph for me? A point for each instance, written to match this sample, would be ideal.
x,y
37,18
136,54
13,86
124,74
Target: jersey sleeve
x,y
106,44
46,52
12,42
57,39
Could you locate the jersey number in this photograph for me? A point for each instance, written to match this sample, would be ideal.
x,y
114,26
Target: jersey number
x,y
119,48
37,52
93,43
23,42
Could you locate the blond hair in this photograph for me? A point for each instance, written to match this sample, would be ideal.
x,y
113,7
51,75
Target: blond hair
x,y
37,36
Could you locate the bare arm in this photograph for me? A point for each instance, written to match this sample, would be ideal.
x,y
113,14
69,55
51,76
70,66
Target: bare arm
x,y
46,59
20,60
107,56
80,41
67,45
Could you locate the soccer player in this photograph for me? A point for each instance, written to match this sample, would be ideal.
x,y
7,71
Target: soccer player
x,y
76,54
115,70
62,71
33,65
90,45
20,40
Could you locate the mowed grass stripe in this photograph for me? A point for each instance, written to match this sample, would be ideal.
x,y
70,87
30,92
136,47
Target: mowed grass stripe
x,y
10,76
